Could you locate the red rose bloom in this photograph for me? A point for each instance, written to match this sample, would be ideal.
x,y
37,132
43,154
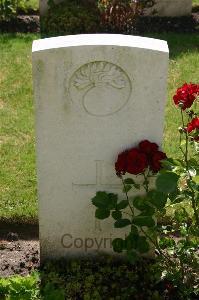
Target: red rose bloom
x,y
186,95
121,163
194,125
147,147
155,163
136,162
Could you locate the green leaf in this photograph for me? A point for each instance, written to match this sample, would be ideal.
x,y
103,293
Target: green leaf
x,y
122,204
122,223
105,200
112,201
139,202
196,179
134,229
150,211
167,182
131,241
166,242
116,214
100,200
129,181
193,230
193,162
102,214
143,221
181,215
158,199
132,256
177,196
118,245
127,188
142,204
143,245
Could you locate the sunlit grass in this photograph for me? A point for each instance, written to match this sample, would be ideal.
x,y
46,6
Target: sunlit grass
x,y
17,173
195,2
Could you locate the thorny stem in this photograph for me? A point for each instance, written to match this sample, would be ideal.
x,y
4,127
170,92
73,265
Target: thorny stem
x,y
146,183
186,145
181,147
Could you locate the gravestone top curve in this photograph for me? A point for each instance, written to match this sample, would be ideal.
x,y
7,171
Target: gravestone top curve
x,y
100,40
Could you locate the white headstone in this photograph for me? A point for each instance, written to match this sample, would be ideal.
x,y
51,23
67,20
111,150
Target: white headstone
x,y
170,8
95,95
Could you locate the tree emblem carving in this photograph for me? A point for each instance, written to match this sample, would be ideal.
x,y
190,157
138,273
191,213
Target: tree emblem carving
x,y
105,87
98,73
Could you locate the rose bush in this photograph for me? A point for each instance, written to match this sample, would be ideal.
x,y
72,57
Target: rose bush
x,y
176,183
120,16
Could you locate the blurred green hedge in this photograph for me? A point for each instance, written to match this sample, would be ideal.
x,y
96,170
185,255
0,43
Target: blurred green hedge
x,y
70,17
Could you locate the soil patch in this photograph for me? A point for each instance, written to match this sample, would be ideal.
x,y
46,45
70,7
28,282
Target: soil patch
x,y
22,231
18,257
19,249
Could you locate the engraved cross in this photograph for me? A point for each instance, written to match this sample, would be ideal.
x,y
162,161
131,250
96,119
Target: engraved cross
x,y
97,186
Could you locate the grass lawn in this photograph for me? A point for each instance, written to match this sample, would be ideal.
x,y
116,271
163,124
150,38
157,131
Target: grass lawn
x,y
18,198
195,2
33,4
17,173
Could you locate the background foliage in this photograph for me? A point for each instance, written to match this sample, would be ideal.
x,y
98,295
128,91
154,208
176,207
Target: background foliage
x,y
70,17
78,16
10,8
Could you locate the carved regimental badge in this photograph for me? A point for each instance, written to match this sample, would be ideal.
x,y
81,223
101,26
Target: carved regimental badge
x,y
103,87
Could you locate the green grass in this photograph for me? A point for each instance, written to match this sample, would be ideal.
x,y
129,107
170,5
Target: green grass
x,y
195,2
33,4
18,198
183,67
17,155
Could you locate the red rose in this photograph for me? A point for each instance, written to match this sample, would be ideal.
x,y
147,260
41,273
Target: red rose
x,y
147,147
194,125
136,161
186,95
155,163
121,163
